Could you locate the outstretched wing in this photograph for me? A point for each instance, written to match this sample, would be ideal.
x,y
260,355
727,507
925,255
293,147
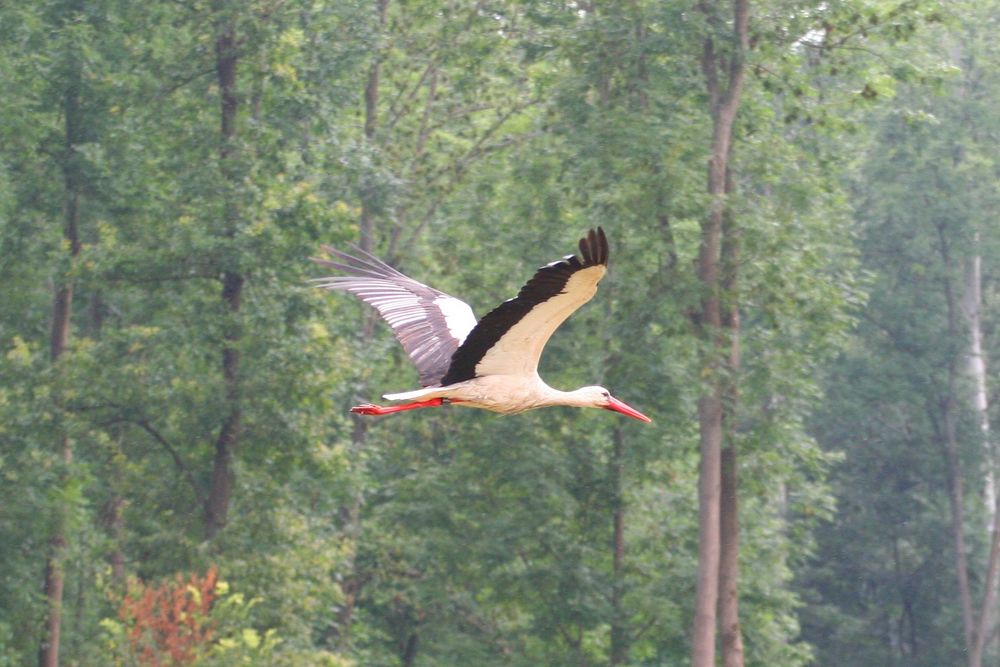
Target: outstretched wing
x,y
509,340
429,324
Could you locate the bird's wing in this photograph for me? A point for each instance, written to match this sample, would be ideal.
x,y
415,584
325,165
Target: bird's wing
x,y
429,324
509,340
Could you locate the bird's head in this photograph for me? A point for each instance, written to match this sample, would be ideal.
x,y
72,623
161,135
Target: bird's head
x,y
599,397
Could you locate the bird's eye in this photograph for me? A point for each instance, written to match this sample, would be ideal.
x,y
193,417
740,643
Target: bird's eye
x,y
606,394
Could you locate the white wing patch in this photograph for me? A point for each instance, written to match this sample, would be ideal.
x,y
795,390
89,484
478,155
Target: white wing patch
x,y
458,316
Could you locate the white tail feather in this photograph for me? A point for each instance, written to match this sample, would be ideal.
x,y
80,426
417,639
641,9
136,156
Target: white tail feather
x,y
415,395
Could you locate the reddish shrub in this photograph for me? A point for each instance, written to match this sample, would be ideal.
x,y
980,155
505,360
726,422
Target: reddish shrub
x,y
168,623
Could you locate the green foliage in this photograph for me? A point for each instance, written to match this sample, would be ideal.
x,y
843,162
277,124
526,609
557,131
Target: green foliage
x,y
883,591
497,136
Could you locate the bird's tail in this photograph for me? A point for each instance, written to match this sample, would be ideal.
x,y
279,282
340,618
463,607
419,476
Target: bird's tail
x,y
415,395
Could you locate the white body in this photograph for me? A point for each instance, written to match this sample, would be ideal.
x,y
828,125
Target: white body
x,y
506,394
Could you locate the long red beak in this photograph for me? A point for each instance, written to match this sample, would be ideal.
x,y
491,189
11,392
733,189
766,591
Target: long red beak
x,y
627,410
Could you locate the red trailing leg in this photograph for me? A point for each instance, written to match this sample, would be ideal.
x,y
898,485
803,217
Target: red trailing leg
x,y
369,409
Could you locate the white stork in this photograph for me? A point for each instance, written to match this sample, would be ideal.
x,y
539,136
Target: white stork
x,y
492,364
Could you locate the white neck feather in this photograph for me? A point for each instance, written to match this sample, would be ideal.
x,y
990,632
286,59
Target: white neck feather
x,y
584,397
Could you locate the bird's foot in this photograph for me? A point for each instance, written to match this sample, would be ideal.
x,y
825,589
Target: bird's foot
x,y
368,409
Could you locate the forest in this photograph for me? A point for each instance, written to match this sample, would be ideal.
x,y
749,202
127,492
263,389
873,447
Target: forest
x,y
800,201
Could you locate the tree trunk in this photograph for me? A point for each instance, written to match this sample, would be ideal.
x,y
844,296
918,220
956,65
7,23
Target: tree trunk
x,y
956,493
619,627
707,588
113,514
371,123
710,437
970,307
351,513
220,492
62,307
729,618
975,366
955,496
729,522
986,612
409,655
724,101
114,520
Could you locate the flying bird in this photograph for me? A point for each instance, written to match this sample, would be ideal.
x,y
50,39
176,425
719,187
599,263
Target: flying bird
x,y
492,363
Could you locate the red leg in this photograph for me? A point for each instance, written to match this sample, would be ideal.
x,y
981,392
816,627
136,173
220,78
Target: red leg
x,y
369,409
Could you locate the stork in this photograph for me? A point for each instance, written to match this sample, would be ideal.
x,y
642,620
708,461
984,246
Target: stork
x,y
490,364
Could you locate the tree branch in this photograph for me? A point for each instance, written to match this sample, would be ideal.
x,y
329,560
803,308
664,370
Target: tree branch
x,y
395,112
178,461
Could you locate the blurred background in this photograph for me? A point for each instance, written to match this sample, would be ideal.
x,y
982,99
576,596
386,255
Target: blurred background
x,y
801,201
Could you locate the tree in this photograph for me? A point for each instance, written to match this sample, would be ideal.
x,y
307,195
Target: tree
x,y
926,321
68,85
721,57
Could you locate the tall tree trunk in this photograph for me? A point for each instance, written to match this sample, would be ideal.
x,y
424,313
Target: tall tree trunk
x,y
948,406
724,100
371,124
619,627
62,307
220,492
968,308
981,632
709,485
113,511
114,520
729,617
409,655
729,522
975,368
955,495
976,622
351,513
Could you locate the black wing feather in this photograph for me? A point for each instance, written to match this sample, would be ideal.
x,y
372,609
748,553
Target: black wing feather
x,y
548,281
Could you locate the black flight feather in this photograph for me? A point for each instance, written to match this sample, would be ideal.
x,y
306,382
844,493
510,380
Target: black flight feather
x,y
548,282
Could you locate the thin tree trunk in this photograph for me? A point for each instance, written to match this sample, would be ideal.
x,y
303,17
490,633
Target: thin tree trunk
x,y
975,368
982,631
710,435
115,521
62,307
729,522
619,627
220,491
351,514
977,625
956,493
409,656
113,515
371,124
724,103
707,587
729,619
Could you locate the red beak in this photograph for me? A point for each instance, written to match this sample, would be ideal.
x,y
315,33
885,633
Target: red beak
x,y
618,406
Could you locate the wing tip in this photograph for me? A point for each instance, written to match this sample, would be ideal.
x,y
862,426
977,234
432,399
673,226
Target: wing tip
x,y
329,250
594,247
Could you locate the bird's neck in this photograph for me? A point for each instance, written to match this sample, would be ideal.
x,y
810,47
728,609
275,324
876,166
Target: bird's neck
x,y
576,398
